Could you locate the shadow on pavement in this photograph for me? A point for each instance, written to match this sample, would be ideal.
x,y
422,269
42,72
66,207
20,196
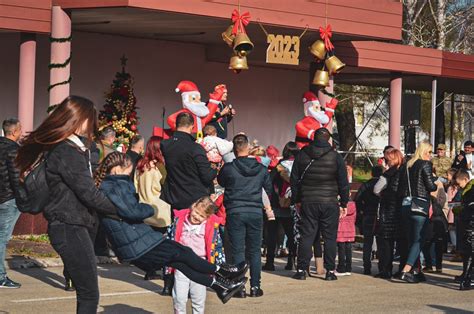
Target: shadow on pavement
x,y
447,309
128,274
123,309
42,274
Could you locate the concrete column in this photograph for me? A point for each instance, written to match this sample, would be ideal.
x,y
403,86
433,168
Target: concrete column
x,y
434,86
60,52
395,111
26,83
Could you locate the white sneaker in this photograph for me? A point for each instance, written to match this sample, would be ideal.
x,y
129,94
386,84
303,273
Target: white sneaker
x,y
338,274
348,273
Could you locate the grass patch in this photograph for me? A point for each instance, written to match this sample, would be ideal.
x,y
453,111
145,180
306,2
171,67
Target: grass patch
x,y
39,238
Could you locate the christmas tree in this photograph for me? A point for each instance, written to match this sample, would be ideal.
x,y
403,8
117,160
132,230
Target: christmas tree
x,y
120,110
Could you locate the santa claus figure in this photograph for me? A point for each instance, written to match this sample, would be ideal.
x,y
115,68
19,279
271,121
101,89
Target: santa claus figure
x,y
192,103
315,117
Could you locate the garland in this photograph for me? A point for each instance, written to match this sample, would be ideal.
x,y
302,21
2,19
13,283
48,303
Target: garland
x,y
60,40
60,83
59,65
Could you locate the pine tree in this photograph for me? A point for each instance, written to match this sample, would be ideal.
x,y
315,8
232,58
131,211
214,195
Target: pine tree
x,y
120,110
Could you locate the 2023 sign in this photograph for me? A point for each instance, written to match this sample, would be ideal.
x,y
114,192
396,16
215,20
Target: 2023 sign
x,y
283,49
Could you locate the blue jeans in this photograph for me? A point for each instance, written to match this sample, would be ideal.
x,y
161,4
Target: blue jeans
x,y
245,235
418,225
9,214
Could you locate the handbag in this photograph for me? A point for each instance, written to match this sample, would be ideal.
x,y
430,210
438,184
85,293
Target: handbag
x,y
417,205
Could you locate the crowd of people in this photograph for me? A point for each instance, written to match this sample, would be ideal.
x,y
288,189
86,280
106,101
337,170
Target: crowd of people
x,y
195,213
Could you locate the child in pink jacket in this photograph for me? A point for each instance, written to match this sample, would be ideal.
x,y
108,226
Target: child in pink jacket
x,y
345,238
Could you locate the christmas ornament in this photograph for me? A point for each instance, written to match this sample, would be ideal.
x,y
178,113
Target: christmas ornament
x,y
238,63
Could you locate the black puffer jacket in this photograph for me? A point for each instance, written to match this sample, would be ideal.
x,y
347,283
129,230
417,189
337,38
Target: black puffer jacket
x,y
390,204
9,174
422,181
74,198
324,180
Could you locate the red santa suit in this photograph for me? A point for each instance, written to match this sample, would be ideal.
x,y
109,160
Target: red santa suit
x,y
314,119
192,104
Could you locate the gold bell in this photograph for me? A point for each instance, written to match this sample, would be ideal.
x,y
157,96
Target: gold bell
x,y
227,36
321,78
318,49
242,44
334,65
238,63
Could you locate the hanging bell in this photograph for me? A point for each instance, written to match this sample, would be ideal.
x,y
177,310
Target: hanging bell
x,y
238,63
227,36
334,65
318,49
321,78
242,44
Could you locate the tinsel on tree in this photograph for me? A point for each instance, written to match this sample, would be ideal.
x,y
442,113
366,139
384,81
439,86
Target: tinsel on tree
x,y
120,110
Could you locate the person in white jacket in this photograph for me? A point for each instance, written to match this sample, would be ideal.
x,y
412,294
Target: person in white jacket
x,y
216,148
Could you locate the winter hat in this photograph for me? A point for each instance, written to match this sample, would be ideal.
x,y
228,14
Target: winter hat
x,y
219,91
309,99
187,89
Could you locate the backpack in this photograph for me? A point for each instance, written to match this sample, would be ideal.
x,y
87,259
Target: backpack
x,y
35,194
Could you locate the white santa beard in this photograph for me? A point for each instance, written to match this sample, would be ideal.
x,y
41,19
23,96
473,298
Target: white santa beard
x,y
198,108
318,115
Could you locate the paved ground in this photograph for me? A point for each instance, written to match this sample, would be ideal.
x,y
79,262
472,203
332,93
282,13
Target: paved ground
x,y
123,290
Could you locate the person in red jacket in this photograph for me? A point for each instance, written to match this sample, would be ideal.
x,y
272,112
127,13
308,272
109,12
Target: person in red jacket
x,y
192,103
315,117
345,237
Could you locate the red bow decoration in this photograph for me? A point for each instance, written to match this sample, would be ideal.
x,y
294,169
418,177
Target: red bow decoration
x,y
240,21
326,34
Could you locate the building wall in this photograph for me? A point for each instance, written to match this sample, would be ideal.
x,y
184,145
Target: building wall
x,y
267,100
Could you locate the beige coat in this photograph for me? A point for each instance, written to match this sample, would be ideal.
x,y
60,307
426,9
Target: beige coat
x,y
148,185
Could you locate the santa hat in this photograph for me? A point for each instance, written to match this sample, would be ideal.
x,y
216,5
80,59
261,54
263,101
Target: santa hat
x,y
219,91
187,88
309,99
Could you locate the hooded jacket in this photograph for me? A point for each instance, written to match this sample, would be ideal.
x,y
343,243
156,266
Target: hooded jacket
x,y
131,238
9,174
324,180
243,180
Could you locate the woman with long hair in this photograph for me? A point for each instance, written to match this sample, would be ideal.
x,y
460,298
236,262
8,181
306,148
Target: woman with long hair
x,y
150,175
417,182
63,139
389,212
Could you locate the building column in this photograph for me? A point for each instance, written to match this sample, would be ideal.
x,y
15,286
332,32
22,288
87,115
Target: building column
x,y
60,53
395,111
434,86
26,83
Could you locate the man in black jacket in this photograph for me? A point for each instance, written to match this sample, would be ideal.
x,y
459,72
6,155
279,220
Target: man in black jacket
x,y
318,178
367,204
244,180
9,190
189,173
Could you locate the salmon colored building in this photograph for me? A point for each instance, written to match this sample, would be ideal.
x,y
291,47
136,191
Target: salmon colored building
x,y
171,40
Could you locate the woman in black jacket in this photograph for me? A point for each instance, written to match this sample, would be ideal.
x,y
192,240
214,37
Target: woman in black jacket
x,y
389,212
63,138
418,182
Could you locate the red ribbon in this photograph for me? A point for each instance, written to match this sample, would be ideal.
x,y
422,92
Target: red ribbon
x,y
326,34
240,21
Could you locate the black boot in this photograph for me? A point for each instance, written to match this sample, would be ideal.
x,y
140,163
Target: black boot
x,y
408,277
300,274
69,286
168,285
290,263
232,271
242,294
226,288
466,281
